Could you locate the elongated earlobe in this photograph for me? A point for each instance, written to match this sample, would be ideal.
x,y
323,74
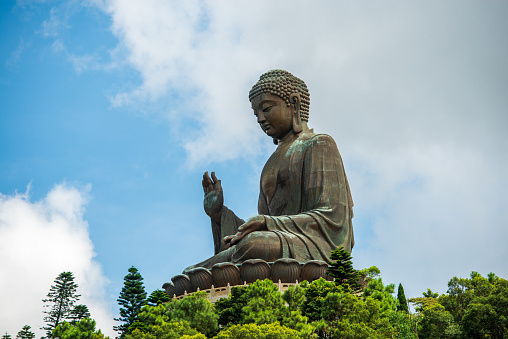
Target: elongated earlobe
x,y
294,99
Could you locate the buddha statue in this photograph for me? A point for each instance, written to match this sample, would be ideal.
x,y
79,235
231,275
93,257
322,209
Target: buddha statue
x,y
305,206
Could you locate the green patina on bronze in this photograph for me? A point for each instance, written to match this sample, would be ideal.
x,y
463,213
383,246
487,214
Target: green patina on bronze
x,y
305,206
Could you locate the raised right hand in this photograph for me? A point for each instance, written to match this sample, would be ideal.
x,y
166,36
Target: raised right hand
x,y
214,198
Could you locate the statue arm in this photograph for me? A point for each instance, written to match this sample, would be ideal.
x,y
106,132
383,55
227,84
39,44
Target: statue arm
x,y
228,226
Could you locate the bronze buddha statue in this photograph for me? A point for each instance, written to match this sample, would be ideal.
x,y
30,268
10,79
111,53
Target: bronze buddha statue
x,y
305,206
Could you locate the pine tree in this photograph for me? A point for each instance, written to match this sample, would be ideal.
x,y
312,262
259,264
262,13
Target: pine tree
x,y
402,300
60,301
132,298
6,336
78,313
342,269
157,297
25,333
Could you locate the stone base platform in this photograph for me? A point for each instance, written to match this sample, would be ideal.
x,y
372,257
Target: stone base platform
x,y
218,281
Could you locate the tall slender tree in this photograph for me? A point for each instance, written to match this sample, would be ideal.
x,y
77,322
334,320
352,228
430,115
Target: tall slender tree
x,y
78,313
132,298
60,301
342,269
25,333
402,299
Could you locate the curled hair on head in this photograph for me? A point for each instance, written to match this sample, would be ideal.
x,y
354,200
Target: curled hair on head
x,y
283,84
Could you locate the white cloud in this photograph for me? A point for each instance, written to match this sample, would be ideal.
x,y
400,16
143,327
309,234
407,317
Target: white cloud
x,y
38,241
413,93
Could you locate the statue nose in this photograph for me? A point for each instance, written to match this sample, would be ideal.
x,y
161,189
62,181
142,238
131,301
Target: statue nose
x,y
261,117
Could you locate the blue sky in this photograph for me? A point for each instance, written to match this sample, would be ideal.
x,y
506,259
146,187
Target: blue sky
x,y
110,111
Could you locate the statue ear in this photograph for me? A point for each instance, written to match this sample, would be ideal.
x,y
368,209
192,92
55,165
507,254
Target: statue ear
x,y
294,99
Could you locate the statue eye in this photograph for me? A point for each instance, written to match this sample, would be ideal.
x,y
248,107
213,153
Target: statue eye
x,y
266,109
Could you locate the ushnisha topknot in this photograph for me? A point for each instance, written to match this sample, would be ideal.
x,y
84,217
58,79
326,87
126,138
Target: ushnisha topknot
x,y
283,84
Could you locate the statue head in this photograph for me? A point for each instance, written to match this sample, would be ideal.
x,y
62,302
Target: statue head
x,y
287,87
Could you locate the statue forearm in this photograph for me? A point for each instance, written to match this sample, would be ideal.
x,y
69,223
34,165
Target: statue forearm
x,y
227,225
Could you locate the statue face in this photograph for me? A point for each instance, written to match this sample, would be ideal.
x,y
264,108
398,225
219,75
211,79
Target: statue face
x,y
273,115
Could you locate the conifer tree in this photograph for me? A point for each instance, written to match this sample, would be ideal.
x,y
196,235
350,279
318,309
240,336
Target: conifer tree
x,y
132,298
60,300
25,333
402,300
6,336
157,297
78,313
342,269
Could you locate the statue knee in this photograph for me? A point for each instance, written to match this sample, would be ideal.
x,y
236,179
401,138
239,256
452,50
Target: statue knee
x,y
258,245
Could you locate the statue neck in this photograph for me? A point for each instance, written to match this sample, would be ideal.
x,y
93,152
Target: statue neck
x,y
291,136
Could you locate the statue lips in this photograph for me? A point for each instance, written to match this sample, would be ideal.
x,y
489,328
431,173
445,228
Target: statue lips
x,y
265,127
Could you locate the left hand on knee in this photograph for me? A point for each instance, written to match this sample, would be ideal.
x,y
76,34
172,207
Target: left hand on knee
x,y
253,224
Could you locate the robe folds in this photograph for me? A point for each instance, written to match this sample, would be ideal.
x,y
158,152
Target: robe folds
x,y
311,208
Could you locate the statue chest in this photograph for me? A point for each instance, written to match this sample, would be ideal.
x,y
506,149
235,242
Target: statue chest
x,y
275,176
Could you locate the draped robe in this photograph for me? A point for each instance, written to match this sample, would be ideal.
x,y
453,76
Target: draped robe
x,y
311,208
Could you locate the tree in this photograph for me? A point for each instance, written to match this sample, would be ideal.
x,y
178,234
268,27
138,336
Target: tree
x,y
436,322
230,309
132,298
254,331
265,304
6,336
377,290
402,299
25,333
157,297
83,329
193,311
167,330
342,269
60,301
197,310
78,313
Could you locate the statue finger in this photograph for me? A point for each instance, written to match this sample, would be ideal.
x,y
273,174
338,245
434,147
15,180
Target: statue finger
x,y
207,183
236,239
206,178
228,238
214,178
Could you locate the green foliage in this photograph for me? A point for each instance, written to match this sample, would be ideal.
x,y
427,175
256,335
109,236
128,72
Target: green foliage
x,y
436,322
167,330
132,298
349,316
83,329
294,296
230,309
265,304
430,294
405,324
384,294
342,269
195,311
487,315
6,336
157,297
79,312
475,307
255,331
262,303
25,333
315,293
60,301
401,297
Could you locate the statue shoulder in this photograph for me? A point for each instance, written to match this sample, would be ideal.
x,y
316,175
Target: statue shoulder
x,y
317,139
